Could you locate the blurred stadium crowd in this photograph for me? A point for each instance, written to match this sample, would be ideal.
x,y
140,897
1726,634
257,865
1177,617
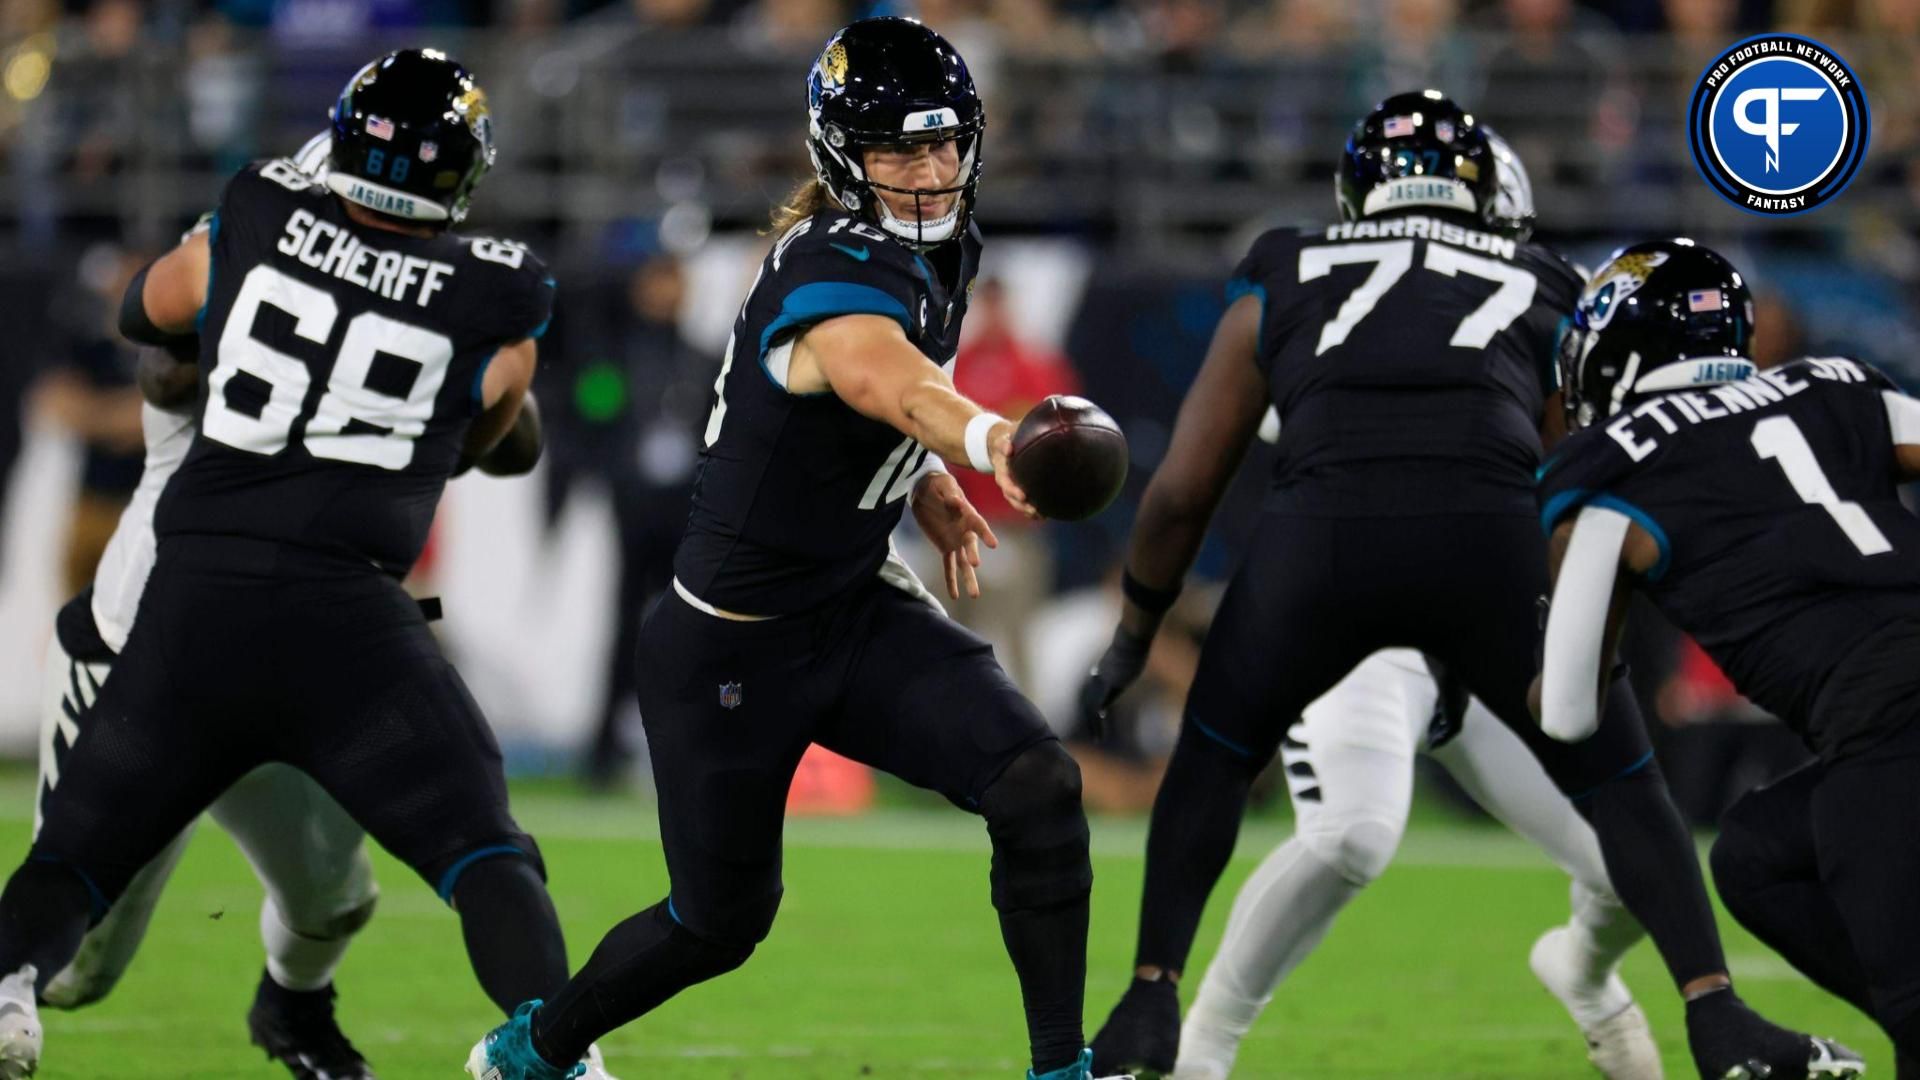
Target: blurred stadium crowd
x,y
1133,147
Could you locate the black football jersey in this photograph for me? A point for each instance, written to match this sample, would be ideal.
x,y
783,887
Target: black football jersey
x,y
341,367
1783,544
797,493
1409,357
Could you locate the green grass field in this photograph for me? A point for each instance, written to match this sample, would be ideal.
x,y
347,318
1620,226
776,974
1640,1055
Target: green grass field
x,y
887,962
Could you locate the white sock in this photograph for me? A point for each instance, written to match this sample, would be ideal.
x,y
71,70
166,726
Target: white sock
x,y
1280,916
1605,927
1579,961
295,961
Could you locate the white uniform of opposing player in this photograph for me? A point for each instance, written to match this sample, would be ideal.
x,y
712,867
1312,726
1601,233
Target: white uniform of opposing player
x,y
1350,775
308,853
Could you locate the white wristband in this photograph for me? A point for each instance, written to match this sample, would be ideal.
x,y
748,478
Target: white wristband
x,y
976,440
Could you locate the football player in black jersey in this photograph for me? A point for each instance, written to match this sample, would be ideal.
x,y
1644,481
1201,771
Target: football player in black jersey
x,y
1409,353
1350,762
1759,511
792,622
309,855
355,354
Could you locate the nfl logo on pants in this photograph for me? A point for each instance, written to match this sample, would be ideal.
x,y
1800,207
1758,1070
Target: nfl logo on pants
x,y
729,695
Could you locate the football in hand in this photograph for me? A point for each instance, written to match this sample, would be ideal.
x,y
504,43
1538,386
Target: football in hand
x,y
1069,457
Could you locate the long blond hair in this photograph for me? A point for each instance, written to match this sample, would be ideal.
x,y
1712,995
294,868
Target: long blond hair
x,y
806,200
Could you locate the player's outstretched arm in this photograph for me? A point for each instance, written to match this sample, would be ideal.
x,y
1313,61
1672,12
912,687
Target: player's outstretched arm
x,y
868,362
504,392
164,300
1218,420
1587,616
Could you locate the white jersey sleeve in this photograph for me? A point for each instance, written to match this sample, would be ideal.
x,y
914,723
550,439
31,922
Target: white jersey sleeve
x,y
128,558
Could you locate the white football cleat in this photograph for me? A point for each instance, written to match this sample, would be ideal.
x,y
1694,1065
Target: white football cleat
x,y
1622,1046
1207,1051
20,1034
1619,1039
596,1065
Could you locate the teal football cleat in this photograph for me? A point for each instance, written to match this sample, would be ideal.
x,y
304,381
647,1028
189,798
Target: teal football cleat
x,y
1081,1069
507,1053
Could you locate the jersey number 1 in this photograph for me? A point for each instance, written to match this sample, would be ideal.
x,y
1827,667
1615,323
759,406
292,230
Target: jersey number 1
x,y
1779,438
388,424
1391,260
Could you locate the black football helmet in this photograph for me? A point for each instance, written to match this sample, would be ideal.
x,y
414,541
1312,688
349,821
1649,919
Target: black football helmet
x,y
1661,315
412,137
884,82
1417,149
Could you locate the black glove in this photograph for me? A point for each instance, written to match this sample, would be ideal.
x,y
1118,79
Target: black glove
x,y
1119,666
1449,707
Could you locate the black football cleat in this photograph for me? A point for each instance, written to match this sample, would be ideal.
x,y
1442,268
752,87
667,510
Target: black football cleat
x,y
1142,1034
297,1029
1732,1042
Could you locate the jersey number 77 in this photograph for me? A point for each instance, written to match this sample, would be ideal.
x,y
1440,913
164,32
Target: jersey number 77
x,y
1392,259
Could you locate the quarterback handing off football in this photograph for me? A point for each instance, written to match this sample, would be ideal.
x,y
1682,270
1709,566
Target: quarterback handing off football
x,y
1070,457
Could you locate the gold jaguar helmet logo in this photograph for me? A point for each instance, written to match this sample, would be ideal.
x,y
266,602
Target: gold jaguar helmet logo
x,y
1615,282
833,65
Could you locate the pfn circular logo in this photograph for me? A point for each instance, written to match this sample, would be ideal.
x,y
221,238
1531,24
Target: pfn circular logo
x,y
1778,124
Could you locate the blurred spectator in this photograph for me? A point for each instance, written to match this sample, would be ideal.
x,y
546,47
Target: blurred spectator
x,y
1009,376
1416,47
627,406
1548,88
979,38
1310,83
1182,34
1885,50
671,14
222,91
1701,28
83,118
90,394
800,27
1778,335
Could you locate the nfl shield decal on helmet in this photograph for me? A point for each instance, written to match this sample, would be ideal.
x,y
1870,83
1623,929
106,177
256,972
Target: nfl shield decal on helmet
x,y
429,151
729,695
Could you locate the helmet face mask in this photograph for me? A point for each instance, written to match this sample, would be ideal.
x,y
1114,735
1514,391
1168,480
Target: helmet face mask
x,y
1659,316
890,82
1417,149
412,137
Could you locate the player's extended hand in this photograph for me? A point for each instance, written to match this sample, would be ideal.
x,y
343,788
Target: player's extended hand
x,y
1119,667
1000,448
953,527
